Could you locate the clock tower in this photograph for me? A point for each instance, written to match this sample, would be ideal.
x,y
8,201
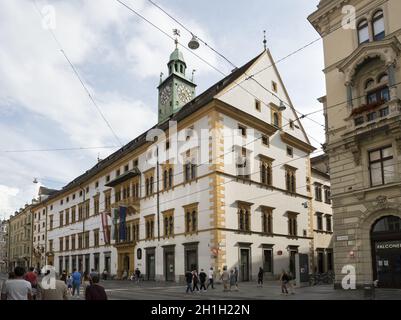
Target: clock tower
x,y
176,90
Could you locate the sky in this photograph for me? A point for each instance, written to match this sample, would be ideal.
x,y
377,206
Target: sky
x,y
119,57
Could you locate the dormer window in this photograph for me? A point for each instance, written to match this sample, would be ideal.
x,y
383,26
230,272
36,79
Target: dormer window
x,y
363,31
378,26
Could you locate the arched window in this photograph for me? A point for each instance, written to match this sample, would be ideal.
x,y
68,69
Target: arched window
x,y
369,84
363,31
181,68
378,26
383,78
387,224
176,67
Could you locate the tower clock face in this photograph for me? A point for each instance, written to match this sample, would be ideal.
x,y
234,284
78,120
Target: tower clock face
x,y
184,94
165,95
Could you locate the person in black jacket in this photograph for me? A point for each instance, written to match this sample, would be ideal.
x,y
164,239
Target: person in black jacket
x,y
260,277
202,278
188,278
195,279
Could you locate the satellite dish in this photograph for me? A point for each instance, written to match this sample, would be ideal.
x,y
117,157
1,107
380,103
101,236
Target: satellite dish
x,y
194,43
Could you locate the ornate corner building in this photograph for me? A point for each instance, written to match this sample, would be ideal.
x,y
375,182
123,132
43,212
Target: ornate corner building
x,y
362,50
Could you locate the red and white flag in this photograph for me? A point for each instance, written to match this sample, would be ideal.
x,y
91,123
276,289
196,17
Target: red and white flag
x,y
105,225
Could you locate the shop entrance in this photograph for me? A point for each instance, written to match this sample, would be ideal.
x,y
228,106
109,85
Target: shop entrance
x,y
386,252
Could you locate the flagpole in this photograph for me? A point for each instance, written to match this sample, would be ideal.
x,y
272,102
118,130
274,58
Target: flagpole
x,y
158,196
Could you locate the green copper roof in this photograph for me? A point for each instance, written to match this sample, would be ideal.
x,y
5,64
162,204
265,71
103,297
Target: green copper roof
x,y
177,55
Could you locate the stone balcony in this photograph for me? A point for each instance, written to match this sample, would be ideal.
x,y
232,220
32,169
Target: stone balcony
x,y
369,118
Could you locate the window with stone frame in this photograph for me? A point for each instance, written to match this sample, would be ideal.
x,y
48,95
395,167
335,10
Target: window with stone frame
x,y
191,218
96,237
327,194
86,239
51,222
329,227
67,216
363,31
61,241
80,241
292,224
319,221
61,219
318,192
67,243
378,26
117,194
243,163
244,216
290,179
167,176
381,166
149,182
276,116
73,242
150,227
266,170
80,212
51,246
135,188
168,223
135,230
96,204
267,219
87,208
107,201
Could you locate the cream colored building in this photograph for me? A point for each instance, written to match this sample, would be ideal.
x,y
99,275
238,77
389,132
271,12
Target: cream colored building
x,y
20,238
235,193
362,69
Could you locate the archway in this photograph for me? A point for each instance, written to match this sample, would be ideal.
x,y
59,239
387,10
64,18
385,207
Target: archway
x,y
385,237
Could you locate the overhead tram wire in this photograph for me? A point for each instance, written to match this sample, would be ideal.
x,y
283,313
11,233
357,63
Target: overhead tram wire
x,y
57,149
231,63
199,57
80,79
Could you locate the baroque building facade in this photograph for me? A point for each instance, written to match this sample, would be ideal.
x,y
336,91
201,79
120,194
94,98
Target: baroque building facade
x,y
361,40
227,182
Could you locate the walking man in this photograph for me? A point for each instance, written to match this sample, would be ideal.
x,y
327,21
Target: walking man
x,y
260,277
188,278
17,288
225,277
32,277
236,278
195,280
137,275
76,282
284,281
202,278
211,278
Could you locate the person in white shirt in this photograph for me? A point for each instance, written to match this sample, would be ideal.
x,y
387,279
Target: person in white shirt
x,y
211,278
17,288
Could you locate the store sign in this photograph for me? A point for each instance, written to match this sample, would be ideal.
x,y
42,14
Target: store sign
x,y
388,245
342,238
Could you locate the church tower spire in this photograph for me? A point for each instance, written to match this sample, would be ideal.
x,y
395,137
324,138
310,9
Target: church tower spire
x,y
176,90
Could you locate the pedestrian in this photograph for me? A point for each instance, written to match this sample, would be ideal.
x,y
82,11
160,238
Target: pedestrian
x,y
260,277
76,282
58,292
211,278
125,275
69,285
232,279
195,279
284,281
137,275
202,278
86,280
225,277
64,276
188,279
92,274
105,274
17,288
291,282
236,278
95,291
32,277
11,275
